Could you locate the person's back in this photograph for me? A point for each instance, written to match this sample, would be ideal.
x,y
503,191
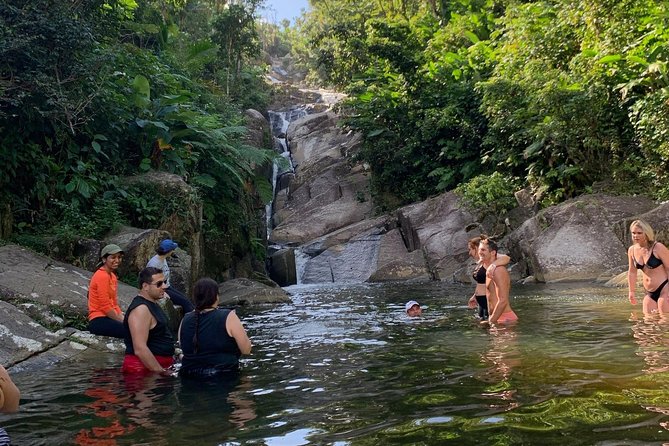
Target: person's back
x,y
211,339
215,347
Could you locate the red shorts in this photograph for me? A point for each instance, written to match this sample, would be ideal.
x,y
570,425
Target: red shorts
x,y
507,317
132,364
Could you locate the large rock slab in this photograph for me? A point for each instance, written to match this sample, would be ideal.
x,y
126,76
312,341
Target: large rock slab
x,y
395,262
35,278
579,239
438,227
326,193
21,337
184,225
249,292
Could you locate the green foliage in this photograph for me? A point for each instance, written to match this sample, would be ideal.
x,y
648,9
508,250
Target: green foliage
x,y
556,93
91,92
489,194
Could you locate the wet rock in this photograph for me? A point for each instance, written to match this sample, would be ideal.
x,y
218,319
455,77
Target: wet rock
x,y
578,239
249,292
281,267
21,337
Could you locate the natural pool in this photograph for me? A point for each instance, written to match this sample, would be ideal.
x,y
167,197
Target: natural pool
x,y
342,365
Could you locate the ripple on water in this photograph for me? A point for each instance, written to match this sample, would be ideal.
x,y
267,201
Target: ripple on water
x,y
344,365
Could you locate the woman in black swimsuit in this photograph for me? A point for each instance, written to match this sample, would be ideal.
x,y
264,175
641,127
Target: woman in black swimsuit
x,y
479,297
652,259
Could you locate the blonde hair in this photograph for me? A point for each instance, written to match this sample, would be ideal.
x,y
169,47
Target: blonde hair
x,y
645,228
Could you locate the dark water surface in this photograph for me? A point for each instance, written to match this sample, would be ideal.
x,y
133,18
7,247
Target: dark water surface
x,y
344,366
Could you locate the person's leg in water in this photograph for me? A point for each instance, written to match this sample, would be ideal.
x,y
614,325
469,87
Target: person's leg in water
x,y
482,302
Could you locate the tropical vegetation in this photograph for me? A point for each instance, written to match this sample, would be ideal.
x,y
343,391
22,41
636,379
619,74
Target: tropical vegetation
x,y
483,97
93,91
562,96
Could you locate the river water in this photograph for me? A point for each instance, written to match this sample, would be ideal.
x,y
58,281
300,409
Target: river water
x,y
343,365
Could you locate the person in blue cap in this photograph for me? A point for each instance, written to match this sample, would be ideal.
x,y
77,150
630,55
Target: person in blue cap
x,y
164,251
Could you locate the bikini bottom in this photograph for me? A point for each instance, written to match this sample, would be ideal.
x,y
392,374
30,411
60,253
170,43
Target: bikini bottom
x,y
655,295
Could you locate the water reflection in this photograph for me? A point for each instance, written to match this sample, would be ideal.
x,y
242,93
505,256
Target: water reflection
x,y
103,410
500,359
652,337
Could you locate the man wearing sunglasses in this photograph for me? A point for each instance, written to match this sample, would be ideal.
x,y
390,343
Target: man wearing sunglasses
x,y
149,345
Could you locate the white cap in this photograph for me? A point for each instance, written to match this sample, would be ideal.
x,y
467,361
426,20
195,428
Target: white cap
x,y
410,304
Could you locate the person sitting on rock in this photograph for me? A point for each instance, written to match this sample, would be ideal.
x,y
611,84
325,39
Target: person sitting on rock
x,y
149,345
165,250
105,317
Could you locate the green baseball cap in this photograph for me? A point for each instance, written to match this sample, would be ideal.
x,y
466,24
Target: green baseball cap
x,y
110,249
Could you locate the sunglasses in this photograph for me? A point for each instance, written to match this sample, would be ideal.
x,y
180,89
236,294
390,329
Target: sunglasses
x,y
158,284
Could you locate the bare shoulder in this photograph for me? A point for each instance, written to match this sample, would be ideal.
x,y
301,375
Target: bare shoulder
x,y
661,249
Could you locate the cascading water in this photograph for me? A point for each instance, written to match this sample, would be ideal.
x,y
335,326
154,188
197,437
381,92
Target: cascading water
x,y
279,122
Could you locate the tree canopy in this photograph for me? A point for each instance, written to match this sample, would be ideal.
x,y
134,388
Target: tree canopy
x,y
562,95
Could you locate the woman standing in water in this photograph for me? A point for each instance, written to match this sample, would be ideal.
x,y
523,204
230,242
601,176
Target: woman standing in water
x,y
479,297
212,339
652,258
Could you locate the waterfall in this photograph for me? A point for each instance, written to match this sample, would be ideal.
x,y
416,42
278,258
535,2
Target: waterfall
x,y
279,122
301,259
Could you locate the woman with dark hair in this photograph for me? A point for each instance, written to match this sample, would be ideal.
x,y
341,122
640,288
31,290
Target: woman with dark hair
x,y
164,251
105,317
212,339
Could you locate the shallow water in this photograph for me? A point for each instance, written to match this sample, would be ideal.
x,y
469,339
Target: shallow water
x,y
345,366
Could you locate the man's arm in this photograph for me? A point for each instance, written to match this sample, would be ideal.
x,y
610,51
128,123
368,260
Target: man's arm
x,y
139,324
502,283
501,260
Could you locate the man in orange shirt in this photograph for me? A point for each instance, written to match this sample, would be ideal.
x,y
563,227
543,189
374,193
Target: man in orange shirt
x,y
104,314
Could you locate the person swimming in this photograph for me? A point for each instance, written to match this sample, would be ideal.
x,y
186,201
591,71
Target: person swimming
x,y
413,309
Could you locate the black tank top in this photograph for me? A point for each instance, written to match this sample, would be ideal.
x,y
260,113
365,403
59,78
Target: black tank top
x,y
479,275
215,347
160,341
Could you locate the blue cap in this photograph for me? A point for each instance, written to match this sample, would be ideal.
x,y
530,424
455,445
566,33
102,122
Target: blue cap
x,y
168,245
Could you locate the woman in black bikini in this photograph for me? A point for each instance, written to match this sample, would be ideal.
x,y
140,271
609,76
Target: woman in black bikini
x,y
479,297
652,258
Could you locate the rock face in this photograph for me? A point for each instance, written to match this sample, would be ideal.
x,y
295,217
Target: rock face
x,y
326,193
324,216
184,227
325,213
580,239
